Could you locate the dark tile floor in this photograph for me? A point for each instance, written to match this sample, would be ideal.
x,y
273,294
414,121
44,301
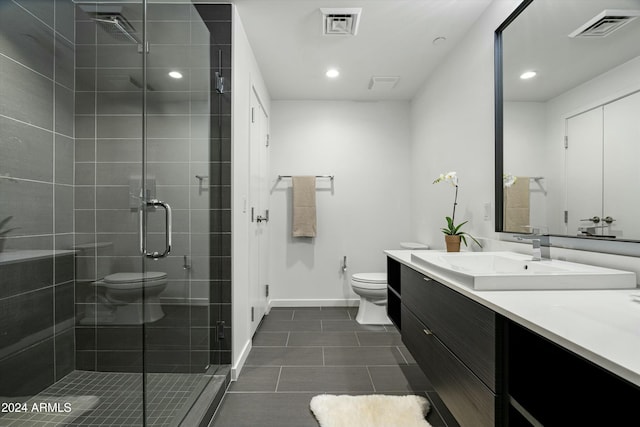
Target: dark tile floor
x,y
301,352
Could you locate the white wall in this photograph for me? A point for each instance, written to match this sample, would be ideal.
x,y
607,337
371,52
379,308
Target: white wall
x,y
245,75
452,124
366,210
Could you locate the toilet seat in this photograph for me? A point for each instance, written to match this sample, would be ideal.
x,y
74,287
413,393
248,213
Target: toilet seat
x,y
122,280
369,280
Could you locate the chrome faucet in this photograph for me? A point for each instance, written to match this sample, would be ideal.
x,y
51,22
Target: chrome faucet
x,y
538,242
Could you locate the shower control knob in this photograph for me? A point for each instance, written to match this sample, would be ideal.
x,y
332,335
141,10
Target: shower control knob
x,y
608,219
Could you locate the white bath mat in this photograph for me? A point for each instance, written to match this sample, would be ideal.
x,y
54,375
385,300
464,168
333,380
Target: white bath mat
x,y
370,411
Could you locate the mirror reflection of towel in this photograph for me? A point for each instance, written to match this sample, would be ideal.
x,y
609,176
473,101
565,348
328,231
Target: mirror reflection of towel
x,y
516,206
304,206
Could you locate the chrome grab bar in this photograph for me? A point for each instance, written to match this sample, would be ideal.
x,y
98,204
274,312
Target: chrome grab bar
x,y
168,229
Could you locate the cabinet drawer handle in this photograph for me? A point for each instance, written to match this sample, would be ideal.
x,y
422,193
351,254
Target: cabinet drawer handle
x,y
427,279
427,332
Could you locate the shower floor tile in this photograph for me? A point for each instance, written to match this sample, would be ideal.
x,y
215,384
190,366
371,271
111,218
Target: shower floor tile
x,y
85,398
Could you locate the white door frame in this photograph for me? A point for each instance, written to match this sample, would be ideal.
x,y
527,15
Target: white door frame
x,y
258,204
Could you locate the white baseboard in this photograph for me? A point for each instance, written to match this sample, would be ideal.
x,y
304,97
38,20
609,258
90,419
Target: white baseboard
x,y
351,302
237,368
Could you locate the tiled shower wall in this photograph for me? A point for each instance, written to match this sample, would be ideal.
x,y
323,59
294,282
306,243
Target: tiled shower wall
x,y
36,191
217,18
188,136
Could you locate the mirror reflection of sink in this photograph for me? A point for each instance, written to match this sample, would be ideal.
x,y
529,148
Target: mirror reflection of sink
x,y
493,271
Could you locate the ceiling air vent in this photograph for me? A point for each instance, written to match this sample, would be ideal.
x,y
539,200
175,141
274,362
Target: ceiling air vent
x,y
605,23
383,83
340,21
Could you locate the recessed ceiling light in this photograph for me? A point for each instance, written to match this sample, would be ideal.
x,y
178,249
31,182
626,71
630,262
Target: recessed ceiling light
x,y
175,74
332,73
528,75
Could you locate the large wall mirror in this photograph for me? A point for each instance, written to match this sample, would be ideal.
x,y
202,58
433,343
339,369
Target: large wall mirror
x,y
568,136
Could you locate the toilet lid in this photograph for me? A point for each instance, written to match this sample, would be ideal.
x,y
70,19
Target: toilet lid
x,y
135,277
380,278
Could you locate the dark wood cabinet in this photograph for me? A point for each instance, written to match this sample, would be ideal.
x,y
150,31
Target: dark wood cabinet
x,y
394,291
470,401
455,341
492,371
555,386
468,329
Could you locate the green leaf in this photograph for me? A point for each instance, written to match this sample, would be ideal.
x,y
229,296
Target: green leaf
x,y
458,228
449,223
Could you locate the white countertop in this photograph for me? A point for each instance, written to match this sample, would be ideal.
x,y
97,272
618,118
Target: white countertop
x,y
602,326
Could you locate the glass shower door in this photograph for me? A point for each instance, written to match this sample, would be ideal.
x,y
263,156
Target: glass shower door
x,y
109,101
179,129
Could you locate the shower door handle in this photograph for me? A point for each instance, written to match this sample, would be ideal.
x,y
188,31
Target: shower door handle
x,y
168,230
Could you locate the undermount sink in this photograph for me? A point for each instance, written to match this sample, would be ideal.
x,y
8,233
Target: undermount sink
x,y
494,271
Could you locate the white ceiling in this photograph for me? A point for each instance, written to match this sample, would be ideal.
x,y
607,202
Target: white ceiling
x,y
394,39
538,39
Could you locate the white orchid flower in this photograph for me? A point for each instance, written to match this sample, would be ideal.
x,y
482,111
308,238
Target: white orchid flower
x,y
508,179
451,177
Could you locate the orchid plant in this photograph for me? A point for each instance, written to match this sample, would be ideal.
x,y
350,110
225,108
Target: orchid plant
x,y
452,229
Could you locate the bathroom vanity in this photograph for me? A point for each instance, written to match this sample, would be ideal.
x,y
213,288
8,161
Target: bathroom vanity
x,y
520,357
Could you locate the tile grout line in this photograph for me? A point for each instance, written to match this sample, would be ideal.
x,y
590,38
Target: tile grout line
x,y
278,380
371,379
402,354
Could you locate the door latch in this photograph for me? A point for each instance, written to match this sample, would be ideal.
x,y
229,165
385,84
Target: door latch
x,y
264,218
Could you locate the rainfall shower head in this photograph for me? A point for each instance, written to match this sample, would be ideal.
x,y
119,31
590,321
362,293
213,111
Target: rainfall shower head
x,y
111,20
118,27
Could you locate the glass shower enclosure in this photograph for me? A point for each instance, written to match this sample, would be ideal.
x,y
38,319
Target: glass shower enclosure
x,y
114,209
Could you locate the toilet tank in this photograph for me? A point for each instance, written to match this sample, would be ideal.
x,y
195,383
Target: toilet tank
x,y
93,260
414,246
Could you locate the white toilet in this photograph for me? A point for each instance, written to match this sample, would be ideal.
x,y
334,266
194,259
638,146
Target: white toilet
x,y
124,292
120,295
372,289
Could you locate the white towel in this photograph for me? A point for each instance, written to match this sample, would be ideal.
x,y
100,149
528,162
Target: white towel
x,y
304,206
